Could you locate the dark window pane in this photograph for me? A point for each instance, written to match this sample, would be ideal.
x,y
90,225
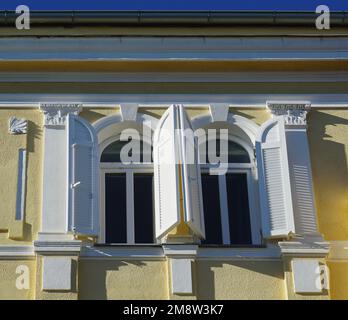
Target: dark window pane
x,y
143,208
112,153
115,208
235,153
238,207
211,205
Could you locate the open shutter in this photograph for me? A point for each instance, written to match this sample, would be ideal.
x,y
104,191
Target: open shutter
x,y
301,181
166,177
83,179
191,176
275,190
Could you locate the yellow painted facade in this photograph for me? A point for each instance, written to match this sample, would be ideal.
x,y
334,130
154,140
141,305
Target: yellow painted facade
x,y
138,279
150,278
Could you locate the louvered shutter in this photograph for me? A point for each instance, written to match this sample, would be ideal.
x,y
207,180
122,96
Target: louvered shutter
x,y
166,177
191,176
275,190
301,182
83,177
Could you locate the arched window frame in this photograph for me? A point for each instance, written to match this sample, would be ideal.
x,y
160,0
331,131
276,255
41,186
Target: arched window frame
x,y
108,131
246,139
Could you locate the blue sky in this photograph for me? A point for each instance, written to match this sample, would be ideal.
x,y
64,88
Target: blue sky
x,y
174,4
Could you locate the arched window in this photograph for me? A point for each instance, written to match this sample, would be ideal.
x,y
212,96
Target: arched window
x,y
227,196
127,193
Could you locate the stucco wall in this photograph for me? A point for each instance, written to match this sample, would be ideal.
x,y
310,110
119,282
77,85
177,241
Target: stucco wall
x,y
328,139
240,279
8,278
9,146
123,279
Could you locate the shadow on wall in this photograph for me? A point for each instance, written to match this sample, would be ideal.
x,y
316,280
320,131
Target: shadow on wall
x,y
328,142
35,134
103,279
240,280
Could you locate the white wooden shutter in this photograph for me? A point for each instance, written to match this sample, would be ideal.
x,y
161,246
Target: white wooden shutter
x,y
83,177
301,182
166,177
275,190
191,176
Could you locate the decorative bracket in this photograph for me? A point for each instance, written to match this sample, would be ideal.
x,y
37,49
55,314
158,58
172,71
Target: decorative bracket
x,y
219,111
129,111
55,114
294,113
18,126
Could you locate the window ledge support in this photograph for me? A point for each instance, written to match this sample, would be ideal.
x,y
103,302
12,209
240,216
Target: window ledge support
x,y
305,247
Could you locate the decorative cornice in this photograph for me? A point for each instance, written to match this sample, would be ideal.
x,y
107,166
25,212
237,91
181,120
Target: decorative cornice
x,y
58,247
339,250
16,251
18,126
55,114
180,250
294,113
305,247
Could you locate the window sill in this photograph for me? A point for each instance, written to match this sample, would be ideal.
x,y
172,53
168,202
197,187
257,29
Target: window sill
x,y
156,251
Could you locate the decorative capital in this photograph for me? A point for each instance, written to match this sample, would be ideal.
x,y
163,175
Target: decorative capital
x,y
294,113
18,126
55,114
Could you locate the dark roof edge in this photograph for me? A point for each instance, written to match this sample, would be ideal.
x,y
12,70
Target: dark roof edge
x,y
177,18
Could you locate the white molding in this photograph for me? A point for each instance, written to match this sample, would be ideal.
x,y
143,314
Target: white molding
x,y
17,126
146,252
249,127
160,252
250,101
16,251
234,253
57,243
338,251
173,48
180,250
116,119
174,77
225,223
305,247
58,247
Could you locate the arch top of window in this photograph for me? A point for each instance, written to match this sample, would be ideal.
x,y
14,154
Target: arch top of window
x,y
235,152
112,153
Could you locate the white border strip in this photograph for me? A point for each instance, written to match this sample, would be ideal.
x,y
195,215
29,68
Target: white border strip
x,y
250,101
163,48
159,252
13,251
338,251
